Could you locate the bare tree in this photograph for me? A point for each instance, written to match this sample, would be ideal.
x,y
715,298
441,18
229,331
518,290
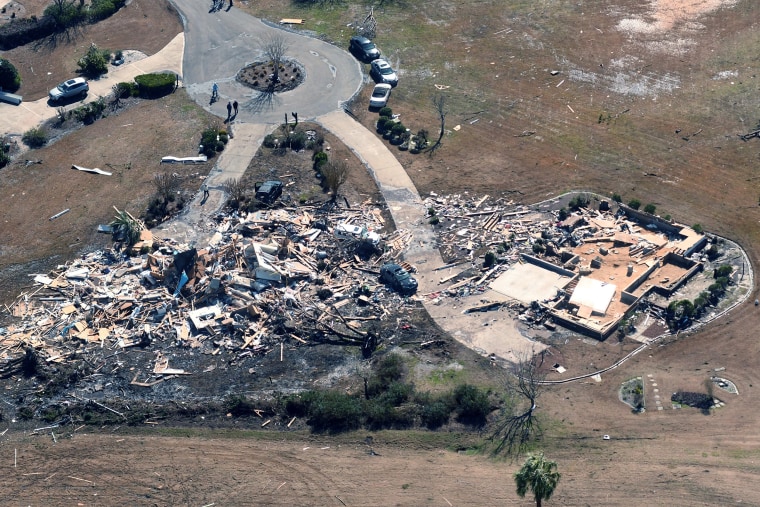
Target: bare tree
x,y
274,47
440,106
516,429
166,184
368,27
235,188
335,174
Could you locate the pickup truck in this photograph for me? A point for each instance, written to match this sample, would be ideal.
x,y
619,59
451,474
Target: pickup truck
x,y
268,191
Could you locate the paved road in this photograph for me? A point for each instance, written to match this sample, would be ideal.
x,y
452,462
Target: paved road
x,y
219,44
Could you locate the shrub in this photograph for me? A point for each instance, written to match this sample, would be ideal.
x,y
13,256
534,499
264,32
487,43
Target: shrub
x,y
713,252
156,85
434,220
420,141
396,393
94,62
723,271
386,111
698,228
88,113
125,90
102,9
35,138
5,159
65,14
650,208
579,201
398,129
10,79
270,141
208,142
387,371
238,405
382,124
562,215
320,159
315,143
617,198
436,410
634,203
297,141
332,412
472,404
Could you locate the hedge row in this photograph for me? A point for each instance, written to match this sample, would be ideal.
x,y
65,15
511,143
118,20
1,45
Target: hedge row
x,y
155,85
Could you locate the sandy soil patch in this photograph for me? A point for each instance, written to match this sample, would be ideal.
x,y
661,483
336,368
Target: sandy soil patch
x,y
668,13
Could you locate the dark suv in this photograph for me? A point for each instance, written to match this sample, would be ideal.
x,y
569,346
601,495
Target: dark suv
x,y
398,278
363,48
268,191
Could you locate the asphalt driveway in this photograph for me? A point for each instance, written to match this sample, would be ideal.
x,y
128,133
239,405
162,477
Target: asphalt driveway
x,y
218,44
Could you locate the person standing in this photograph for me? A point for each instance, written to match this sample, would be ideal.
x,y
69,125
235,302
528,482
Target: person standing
x,y
204,188
229,110
235,107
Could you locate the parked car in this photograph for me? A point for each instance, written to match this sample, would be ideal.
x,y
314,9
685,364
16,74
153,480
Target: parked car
x,y
382,72
356,233
268,191
380,95
71,88
398,278
363,48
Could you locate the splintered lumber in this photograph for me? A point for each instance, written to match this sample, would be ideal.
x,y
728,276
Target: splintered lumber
x,y
297,338
460,283
488,273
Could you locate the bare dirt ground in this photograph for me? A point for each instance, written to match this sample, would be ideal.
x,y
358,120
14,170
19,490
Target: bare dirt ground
x,y
647,103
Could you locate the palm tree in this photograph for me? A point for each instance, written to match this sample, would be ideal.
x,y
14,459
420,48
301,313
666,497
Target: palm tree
x,y
539,475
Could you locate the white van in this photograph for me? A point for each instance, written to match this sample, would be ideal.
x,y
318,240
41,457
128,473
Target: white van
x,y
354,232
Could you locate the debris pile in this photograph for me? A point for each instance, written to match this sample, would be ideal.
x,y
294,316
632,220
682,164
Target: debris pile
x,y
268,277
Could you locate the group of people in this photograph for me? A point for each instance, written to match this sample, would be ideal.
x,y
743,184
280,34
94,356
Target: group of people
x,y
230,107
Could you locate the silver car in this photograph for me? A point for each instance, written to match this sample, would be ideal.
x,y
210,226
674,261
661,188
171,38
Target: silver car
x,y
71,88
382,72
380,95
